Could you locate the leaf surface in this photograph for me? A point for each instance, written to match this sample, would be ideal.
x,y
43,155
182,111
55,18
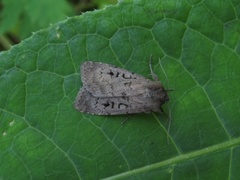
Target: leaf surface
x,y
196,51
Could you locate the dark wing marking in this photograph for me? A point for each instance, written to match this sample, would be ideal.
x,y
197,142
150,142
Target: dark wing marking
x,y
87,103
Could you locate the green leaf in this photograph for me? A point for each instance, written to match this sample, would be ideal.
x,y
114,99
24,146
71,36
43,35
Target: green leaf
x,y
196,51
10,13
29,15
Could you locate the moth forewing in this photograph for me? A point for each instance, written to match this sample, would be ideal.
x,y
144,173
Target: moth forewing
x,y
110,90
107,80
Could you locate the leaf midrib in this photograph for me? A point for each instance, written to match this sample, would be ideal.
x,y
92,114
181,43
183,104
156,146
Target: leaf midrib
x,y
180,158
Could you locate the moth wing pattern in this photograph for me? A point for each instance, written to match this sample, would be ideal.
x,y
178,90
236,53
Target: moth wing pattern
x,y
107,80
87,103
110,90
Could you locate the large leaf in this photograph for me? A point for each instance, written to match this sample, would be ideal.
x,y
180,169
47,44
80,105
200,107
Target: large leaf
x,y
196,51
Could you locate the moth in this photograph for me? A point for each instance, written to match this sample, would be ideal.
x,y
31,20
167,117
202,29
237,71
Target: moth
x,y
110,90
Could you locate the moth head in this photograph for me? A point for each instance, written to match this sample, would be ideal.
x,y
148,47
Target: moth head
x,y
164,96
159,94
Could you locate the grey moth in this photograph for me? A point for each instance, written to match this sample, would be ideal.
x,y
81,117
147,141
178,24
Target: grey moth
x,y
110,90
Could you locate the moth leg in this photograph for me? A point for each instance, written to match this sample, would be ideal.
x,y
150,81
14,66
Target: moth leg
x,y
162,111
125,120
154,76
169,124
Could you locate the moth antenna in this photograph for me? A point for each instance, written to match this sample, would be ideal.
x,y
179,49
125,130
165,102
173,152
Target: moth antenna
x,y
169,112
169,124
154,76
